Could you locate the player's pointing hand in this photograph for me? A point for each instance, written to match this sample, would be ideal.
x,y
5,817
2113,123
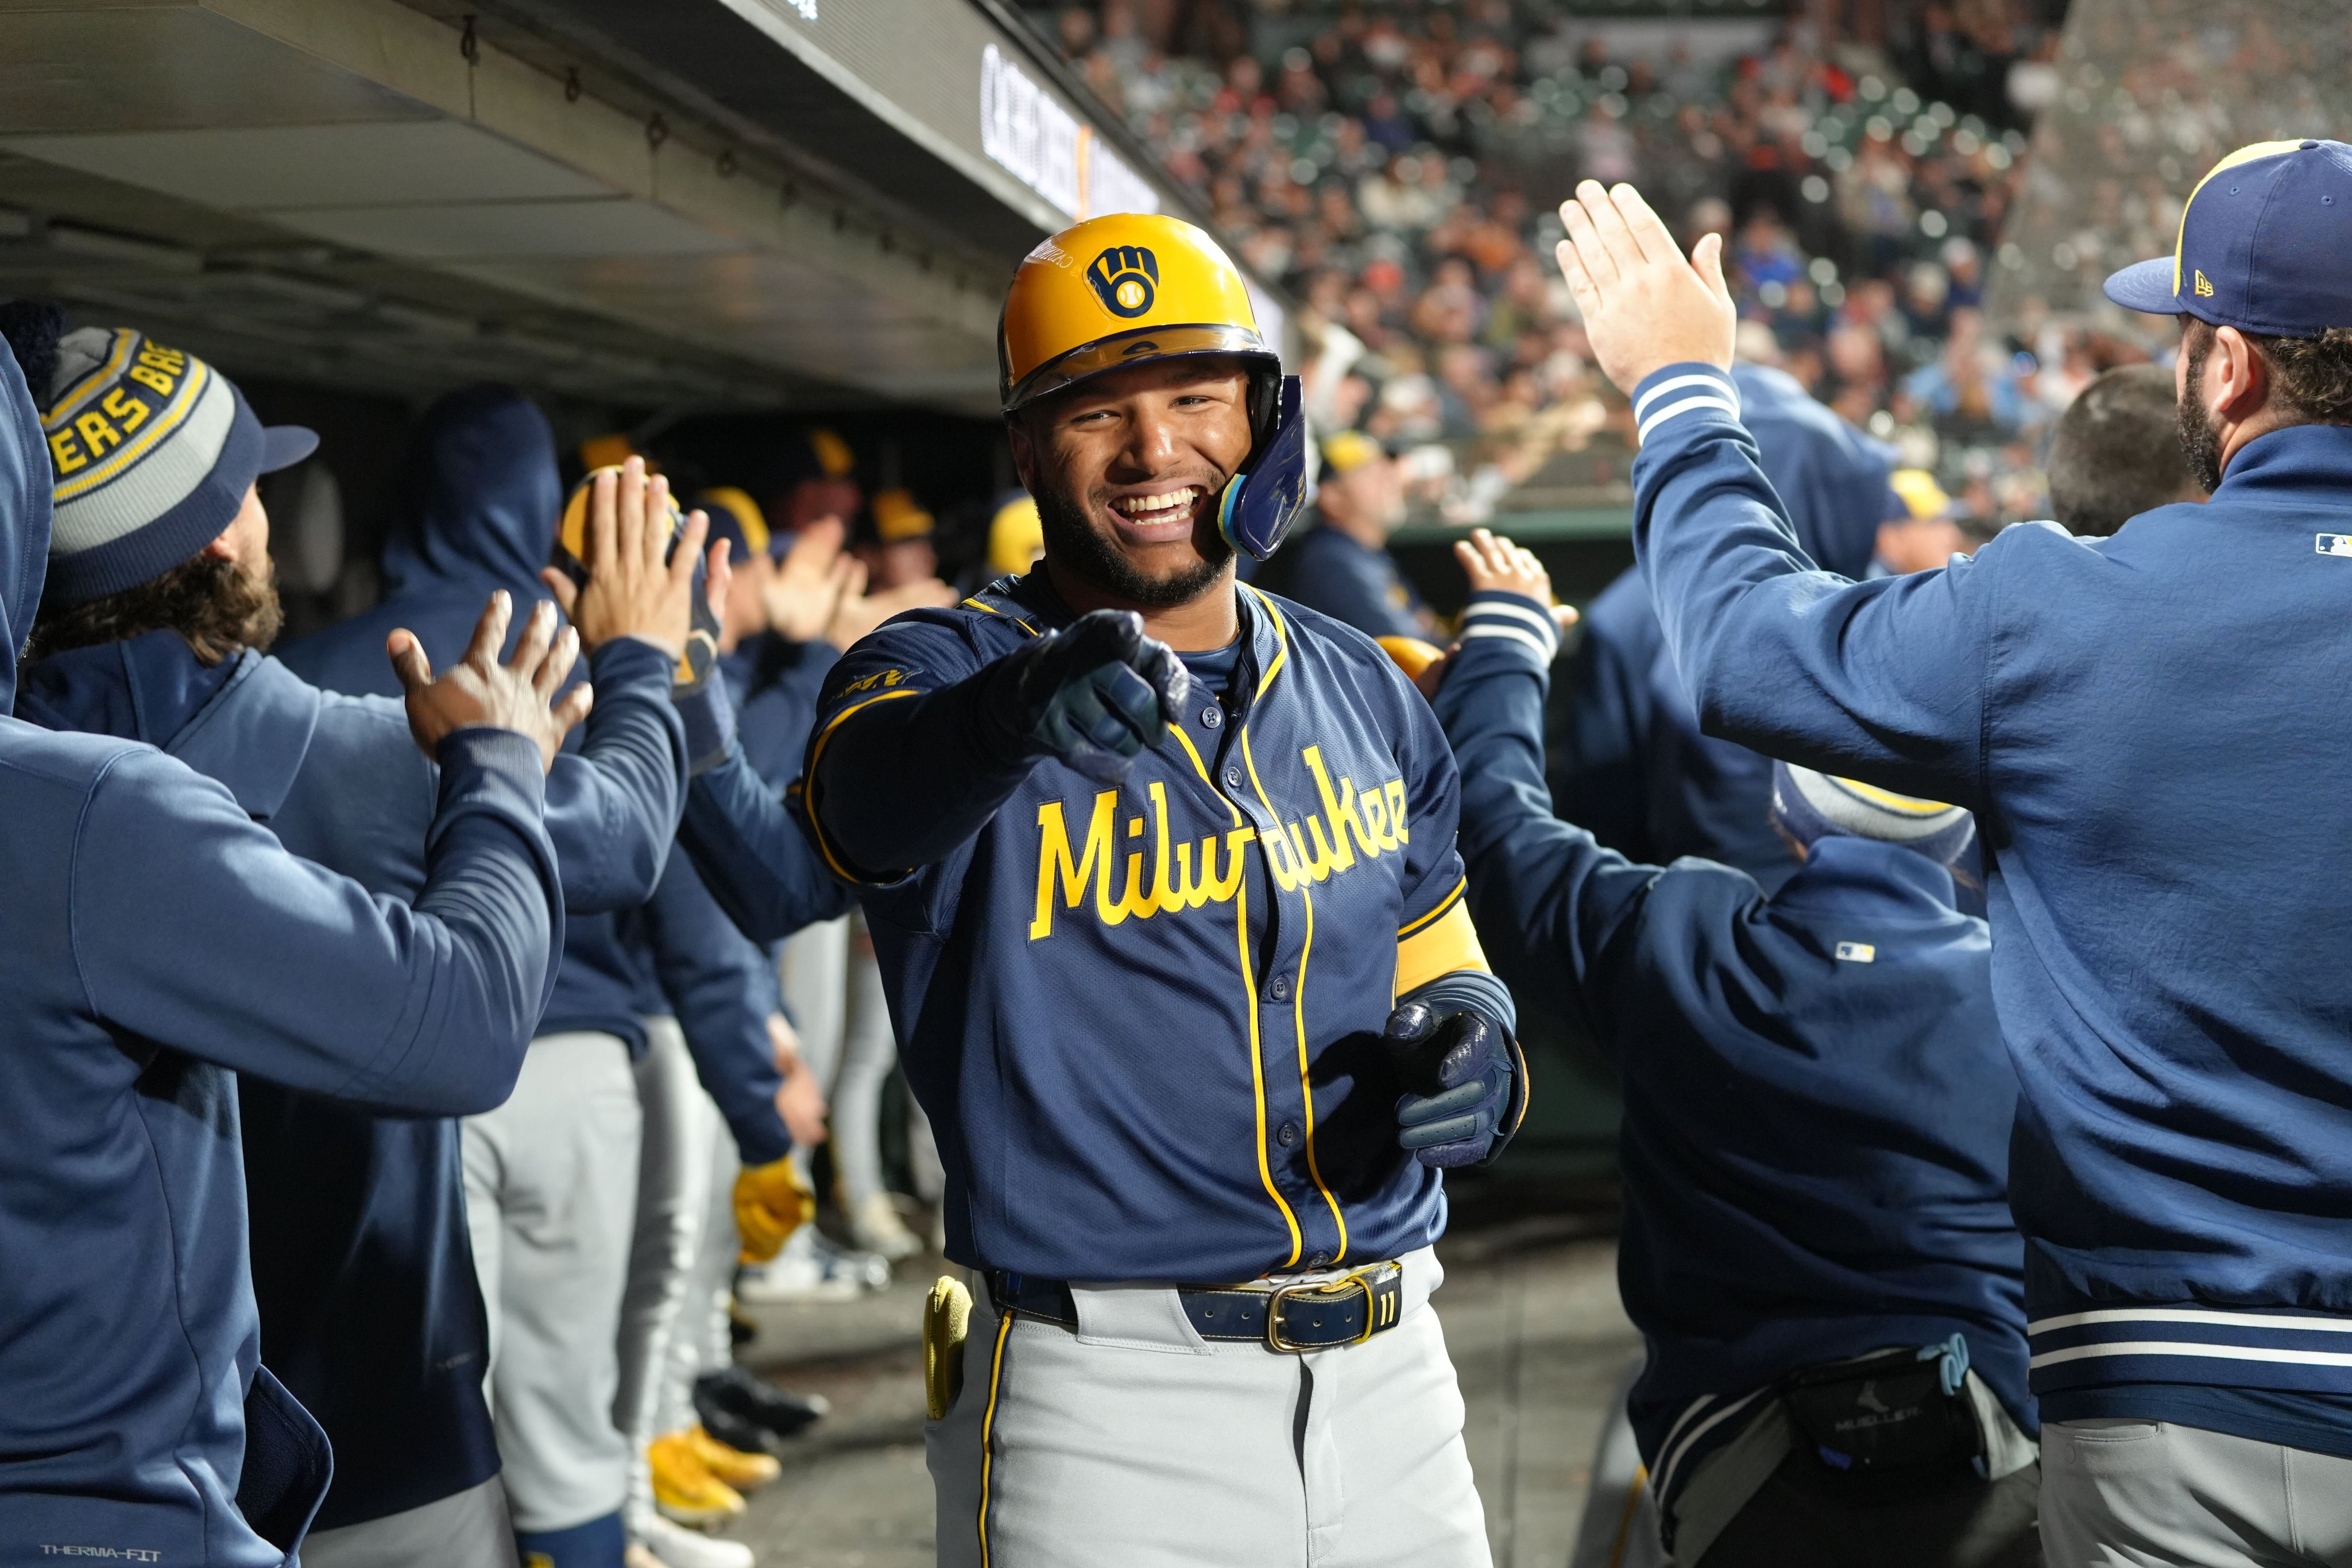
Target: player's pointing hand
x,y
1094,695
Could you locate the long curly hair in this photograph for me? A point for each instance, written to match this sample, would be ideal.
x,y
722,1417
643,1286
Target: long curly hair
x,y
216,607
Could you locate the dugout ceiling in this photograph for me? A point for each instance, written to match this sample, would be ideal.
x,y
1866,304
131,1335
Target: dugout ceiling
x,y
681,204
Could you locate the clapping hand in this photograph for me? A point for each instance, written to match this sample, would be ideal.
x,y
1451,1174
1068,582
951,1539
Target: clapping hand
x,y
478,690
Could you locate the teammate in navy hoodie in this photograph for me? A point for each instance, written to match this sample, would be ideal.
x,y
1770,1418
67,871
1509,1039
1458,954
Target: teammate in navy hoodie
x,y
159,943
370,1311
1816,1124
485,511
2152,730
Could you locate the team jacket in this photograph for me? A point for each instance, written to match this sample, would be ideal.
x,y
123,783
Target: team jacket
x,y
1629,762
360,1265
1817,1100
1145,1019
2153,730
158,945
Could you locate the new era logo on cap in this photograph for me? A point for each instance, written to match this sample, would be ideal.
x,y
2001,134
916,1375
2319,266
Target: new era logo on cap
x,y
2261,245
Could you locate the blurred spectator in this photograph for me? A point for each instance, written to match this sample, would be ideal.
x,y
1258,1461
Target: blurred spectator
x,y
1341,565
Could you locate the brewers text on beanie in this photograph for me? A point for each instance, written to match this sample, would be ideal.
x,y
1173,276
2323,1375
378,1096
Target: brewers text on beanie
x,y
2260,246
151,451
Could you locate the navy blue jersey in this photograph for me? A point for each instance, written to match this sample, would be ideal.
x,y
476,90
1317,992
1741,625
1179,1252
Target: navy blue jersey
x,y
1145,1021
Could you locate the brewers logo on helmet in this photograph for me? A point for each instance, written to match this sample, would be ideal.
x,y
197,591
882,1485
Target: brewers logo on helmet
x,y
571,558
1135,287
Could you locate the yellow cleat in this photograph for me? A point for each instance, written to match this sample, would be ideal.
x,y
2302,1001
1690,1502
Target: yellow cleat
x,y
683,1488
744,1472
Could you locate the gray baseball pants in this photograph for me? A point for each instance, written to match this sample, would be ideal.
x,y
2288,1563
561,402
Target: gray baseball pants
x,y
2147,1492
1131,1440
467,1529
550,1206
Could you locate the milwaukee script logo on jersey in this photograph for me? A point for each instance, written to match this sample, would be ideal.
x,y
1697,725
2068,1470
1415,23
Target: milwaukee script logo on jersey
x,y
1359,828
1145,1020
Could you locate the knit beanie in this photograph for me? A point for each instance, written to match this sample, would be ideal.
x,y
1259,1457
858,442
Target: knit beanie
x,y
152,451
1809,806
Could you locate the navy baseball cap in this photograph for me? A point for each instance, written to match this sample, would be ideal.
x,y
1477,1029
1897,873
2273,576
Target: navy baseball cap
x,y
2262,245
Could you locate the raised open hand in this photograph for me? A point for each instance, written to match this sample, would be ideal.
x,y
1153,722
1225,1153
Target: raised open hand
x,y
1644,305
807,585
637,587
478,690
1493,562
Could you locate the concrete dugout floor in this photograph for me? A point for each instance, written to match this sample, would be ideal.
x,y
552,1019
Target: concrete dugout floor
x,y
1530,1312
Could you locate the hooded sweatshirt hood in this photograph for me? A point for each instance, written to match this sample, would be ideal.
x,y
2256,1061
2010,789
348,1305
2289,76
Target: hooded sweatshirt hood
x,y
24,520
483,495
479,513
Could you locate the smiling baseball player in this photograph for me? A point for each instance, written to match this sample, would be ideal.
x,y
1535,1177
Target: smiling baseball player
x,y
1161,875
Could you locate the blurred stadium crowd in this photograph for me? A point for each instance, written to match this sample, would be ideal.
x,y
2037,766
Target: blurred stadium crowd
x,y
1397,168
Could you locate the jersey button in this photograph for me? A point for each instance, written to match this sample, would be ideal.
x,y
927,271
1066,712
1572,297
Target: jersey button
x,y
1319,1260
1210,716
1286,1135
1233,777
1278,987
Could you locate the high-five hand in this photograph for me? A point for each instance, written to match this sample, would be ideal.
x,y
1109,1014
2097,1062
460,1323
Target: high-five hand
x,y
802,594
632,589
479,691
1645,306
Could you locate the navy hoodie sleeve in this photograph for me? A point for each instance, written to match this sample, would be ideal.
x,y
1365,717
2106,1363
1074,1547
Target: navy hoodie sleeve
x,y
191,924
611,808
722,990
1881,680
1557,914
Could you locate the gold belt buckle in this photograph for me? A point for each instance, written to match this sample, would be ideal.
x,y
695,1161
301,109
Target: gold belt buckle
x,y
1361,1280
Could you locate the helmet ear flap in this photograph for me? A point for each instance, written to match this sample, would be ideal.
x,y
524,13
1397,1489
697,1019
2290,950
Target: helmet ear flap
x,y
1259,504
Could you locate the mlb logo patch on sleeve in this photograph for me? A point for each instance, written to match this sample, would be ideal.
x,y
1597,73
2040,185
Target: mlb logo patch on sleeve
x,y
1856,953
2336,544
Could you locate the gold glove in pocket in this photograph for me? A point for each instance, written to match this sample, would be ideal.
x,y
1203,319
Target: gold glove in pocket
x,y
947,1322
771,1201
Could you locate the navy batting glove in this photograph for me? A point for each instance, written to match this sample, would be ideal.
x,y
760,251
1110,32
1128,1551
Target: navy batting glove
x,y
1458,1069
1096,694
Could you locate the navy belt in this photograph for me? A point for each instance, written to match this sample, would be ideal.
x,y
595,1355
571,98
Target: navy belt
x,y
1315,1314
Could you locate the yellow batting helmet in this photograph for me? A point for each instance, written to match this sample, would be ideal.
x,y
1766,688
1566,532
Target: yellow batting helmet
x,y
1116,290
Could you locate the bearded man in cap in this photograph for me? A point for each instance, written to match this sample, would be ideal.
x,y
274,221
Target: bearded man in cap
x,y
2153,731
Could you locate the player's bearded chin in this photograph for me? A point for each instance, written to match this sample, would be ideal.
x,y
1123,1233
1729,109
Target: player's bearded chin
x,y
2199,442
1074,546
